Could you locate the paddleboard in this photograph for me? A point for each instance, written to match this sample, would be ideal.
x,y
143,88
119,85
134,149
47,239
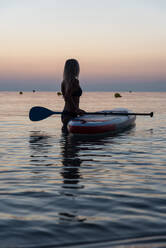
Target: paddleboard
x,y
99,124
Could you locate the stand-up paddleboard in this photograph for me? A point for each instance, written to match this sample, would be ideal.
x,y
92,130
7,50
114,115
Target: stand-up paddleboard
x,y
100,124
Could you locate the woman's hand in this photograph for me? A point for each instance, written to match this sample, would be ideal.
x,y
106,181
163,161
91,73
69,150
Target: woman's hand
x,y
81,112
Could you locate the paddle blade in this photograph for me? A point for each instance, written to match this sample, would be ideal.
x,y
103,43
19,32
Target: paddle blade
x,y
39,113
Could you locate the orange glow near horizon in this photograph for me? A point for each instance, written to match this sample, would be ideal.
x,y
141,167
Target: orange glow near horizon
x,y
42,59
49,66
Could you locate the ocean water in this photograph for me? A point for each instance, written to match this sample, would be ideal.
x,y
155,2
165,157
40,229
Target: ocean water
x,y
64,191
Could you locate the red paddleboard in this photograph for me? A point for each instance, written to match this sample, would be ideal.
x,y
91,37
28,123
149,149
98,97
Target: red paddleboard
x,y
99,124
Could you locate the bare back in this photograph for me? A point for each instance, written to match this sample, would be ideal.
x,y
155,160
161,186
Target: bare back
x,y
71,95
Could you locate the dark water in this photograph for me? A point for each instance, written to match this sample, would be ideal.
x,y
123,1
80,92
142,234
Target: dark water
x,y
64,191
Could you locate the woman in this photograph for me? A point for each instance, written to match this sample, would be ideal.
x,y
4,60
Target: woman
x,y
71,91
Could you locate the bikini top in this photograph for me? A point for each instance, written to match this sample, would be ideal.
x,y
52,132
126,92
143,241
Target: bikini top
x,y
76,92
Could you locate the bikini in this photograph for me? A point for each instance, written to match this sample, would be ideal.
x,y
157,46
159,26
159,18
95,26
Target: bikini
x,y
70,115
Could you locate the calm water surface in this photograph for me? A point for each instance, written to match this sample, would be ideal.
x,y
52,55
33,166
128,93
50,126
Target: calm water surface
x,y
58,191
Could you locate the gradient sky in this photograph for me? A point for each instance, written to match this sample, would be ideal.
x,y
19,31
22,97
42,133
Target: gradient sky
x,y
120,44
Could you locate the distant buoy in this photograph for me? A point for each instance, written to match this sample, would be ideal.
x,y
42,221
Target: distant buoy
x,y
117,95
59,93
20,92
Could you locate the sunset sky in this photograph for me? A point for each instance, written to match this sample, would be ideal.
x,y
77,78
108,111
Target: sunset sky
x,y
120,44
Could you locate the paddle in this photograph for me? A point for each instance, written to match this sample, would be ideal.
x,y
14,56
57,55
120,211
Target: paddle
x,y
38,113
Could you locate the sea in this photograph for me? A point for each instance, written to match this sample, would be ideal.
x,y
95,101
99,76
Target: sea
x,y
67,191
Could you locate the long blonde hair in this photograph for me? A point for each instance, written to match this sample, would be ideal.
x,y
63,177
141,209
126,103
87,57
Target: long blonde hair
x,y
71,70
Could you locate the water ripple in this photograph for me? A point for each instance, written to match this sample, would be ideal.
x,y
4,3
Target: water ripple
x,y
65,191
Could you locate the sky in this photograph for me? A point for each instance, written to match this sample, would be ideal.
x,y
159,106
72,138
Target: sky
x,y
120,44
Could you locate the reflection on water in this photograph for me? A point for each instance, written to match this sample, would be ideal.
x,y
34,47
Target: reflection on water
x,y
70,160
71,178
39,141
40,145
42,152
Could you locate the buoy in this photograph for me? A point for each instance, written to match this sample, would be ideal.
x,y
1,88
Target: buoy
x,y
59,93
117,95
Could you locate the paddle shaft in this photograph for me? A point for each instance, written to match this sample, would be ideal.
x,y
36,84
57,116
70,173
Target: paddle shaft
x,y
118,113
